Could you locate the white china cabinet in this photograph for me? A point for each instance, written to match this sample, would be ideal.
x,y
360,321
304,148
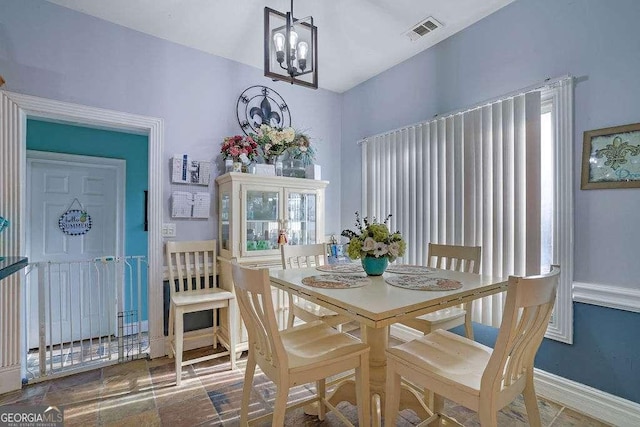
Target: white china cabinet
x,y
252,212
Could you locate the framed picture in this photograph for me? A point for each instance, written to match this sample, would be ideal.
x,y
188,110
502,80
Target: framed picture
x,y
611,158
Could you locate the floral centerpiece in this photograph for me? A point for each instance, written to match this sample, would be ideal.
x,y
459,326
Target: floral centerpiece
x,y
240,150
273,141
374,244
238,147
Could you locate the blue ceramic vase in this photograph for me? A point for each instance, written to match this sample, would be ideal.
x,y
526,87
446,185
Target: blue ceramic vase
x,y
374,266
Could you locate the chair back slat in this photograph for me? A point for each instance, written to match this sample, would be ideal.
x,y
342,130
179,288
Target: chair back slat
x,y
527,311
456,258
253,292
300,256
191,265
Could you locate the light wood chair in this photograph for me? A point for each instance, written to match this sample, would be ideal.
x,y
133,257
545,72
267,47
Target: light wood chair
x,y
299,355
472,374
449,257
192,275
300,256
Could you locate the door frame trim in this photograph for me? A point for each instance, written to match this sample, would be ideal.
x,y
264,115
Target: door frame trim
x,y
15,108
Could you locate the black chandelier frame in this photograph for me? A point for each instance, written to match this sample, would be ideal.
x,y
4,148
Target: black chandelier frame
x,y
292,73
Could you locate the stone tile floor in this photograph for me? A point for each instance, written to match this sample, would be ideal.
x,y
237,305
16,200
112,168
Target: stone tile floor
x,y
86,353
143,393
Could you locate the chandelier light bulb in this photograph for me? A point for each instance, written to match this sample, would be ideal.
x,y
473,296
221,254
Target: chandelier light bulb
x,y
293,39
278,41
303,50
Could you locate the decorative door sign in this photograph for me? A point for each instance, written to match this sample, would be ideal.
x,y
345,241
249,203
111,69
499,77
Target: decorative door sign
x,y
75,222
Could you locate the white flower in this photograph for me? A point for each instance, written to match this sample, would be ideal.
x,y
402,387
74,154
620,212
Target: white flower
x,y
380,249
369,244
267,147
288,134
394,249
302,148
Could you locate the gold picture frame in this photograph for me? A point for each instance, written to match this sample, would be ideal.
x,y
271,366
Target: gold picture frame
x,y
611,158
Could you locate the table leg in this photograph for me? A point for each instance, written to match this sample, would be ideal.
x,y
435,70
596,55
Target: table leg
x,y
378,340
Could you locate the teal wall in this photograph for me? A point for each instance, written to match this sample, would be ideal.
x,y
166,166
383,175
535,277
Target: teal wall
x,y
62,138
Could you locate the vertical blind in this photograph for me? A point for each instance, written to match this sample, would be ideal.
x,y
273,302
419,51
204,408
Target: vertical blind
x,y
471,178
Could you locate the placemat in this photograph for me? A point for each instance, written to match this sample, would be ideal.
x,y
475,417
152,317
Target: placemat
x,y
409,269
341,268
421,283
336,281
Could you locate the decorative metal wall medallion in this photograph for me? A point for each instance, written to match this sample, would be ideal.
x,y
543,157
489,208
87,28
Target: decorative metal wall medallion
x,y
260,105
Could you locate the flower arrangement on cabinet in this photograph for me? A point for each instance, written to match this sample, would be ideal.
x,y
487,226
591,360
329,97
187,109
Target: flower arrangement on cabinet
x,y
373,239
239,148
273,141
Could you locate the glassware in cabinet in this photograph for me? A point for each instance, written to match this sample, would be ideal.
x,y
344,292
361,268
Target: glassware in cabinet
x,y
301,218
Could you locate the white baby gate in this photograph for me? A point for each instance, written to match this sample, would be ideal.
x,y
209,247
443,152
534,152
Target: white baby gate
x,y
89,313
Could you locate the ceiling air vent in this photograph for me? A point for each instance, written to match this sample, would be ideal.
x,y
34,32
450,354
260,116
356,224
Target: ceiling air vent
x,y
423,28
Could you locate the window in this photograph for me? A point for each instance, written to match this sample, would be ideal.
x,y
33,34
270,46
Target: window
x,y
497,176
547,184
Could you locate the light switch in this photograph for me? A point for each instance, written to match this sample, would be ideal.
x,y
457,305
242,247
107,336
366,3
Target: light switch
x,y
168,230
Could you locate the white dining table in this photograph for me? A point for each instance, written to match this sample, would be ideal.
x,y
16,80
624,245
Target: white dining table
x,y
376,307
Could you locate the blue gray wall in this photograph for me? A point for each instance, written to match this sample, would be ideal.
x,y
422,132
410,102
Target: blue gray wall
x,y
54,52
598,42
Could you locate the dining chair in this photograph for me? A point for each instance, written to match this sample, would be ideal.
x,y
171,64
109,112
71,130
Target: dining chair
x,y
299,355
471,374
457,258
300,256
192,276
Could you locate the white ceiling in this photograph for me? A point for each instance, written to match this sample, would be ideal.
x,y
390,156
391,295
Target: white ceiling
x,y
357,39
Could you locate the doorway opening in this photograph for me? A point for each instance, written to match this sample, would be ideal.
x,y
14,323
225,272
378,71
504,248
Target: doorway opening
x,y
15,110
83,280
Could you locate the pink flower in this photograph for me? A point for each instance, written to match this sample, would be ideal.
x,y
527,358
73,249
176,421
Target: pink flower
x,y
235,146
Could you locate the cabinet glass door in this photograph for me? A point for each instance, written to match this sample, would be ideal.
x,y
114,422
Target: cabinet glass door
x,y
262,214
301,216
225,215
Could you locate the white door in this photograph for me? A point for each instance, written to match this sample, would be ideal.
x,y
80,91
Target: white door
x,y
80,296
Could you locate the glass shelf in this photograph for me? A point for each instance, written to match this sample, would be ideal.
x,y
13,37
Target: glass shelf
x,y
301,211
225,215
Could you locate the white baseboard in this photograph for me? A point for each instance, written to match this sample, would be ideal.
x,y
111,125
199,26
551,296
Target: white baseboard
x,y
582,398
10,378
587,400
617,297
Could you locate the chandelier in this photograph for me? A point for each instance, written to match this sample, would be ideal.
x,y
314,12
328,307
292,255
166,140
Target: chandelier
x,y
290,48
